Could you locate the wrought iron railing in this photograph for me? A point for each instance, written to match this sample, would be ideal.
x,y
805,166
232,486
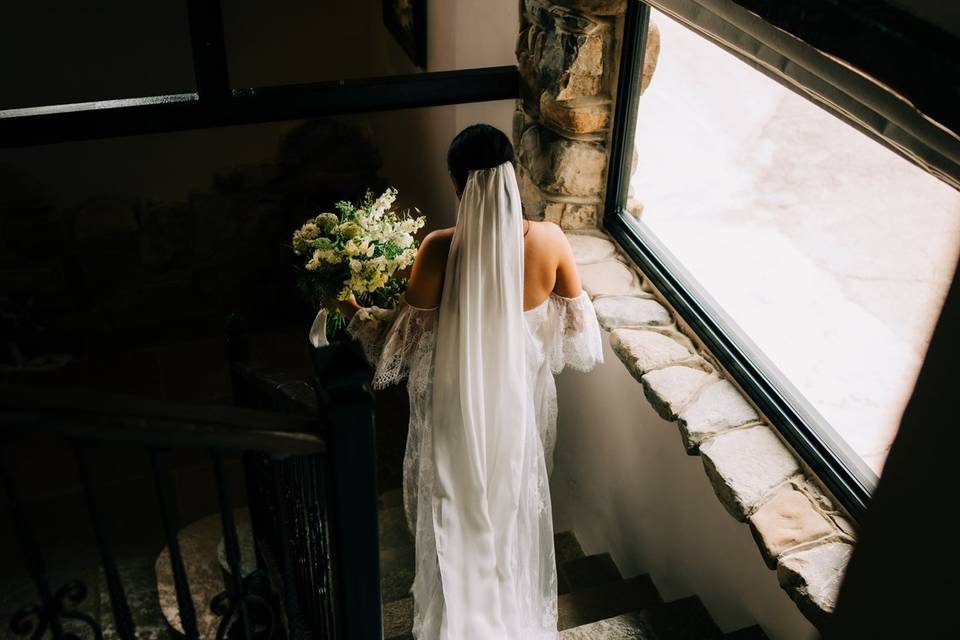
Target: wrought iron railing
x,y
310,486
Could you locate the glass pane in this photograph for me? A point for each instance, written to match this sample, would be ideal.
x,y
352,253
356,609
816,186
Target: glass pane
x,y
65,52
300,41
832,253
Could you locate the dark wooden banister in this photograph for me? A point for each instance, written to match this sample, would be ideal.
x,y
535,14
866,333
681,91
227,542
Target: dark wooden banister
x,y
118,418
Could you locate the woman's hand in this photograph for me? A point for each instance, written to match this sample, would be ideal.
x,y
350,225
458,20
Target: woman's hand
x,y
346,307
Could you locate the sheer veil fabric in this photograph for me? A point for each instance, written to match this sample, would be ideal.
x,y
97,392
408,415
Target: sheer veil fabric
x,y
480,418
483,414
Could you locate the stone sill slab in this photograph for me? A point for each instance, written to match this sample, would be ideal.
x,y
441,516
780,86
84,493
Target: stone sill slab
x,y
758,479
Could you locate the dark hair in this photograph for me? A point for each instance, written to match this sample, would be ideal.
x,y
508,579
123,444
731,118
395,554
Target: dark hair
x,y
479,146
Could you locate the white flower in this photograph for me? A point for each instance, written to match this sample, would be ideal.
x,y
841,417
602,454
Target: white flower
x,y
360,238
350,230
327,222
310,230
328,255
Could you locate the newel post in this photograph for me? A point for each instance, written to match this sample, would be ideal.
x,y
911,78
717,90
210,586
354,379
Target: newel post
x,y
344,396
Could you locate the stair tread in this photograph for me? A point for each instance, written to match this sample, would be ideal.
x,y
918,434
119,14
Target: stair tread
x,y
684,619
747,633
140,585
626,626
398,619
588,571
605,601
393,528
397,567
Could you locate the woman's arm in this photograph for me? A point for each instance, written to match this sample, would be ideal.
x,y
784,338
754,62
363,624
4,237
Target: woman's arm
x,y
426,276
348,308
568,282
426,279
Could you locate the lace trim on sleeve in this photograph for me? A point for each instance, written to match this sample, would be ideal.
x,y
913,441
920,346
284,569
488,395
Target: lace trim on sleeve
x,y
369,327
394,341
577,342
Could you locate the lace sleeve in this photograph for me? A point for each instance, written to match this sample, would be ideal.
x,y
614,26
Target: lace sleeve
x,y
394,341
369,327
576,341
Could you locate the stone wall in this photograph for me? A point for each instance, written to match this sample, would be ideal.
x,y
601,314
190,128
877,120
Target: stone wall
x,y
568,53
563,118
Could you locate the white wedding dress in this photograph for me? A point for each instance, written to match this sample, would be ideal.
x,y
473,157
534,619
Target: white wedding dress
x,y
483,412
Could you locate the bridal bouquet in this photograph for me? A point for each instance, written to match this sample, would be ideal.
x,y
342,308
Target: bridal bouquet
x,y
357,250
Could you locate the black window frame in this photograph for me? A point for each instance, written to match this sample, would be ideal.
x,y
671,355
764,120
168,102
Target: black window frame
x,y
215,102
821,449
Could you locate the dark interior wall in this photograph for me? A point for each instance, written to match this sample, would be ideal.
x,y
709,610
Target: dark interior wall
x,y
901,580
131,243
945,15
52,54
55,52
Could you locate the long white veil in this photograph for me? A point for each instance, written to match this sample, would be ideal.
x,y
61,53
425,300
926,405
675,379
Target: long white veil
x,y
479,411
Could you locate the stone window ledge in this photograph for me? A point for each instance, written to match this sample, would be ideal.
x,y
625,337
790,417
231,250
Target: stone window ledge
x,y
758,479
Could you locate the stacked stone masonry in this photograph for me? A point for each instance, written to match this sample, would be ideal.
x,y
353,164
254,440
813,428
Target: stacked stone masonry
x,y
798,530
562,121
562,124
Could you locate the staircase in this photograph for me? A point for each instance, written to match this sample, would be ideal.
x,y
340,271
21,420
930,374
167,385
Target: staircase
x,y
595,602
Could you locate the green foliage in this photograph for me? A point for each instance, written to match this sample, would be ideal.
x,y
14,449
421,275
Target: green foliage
x,y
358,250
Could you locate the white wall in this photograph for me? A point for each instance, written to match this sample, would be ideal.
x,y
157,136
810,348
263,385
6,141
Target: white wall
x,y
461,34
625,485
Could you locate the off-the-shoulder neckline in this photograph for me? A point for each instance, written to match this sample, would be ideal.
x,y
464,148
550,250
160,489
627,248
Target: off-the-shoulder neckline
x,y
553,294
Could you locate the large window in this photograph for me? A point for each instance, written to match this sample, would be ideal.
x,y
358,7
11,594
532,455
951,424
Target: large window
x,y
814,259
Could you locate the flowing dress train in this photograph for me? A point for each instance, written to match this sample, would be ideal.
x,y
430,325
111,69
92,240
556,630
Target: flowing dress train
x,y
483,414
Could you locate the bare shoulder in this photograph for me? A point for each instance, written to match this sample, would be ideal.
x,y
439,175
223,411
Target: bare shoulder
x,y
439,236
550,234
436,245
546,228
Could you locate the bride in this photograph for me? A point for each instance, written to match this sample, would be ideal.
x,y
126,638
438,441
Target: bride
x,y
493,309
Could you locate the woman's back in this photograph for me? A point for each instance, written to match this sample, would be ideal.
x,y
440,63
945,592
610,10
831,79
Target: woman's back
x,y
548,266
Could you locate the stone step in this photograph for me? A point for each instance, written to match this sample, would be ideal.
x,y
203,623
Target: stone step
x,y
627,626
140,586
201,549
393,529
605,601
396,572
684,619
586,572
398,619
747,633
